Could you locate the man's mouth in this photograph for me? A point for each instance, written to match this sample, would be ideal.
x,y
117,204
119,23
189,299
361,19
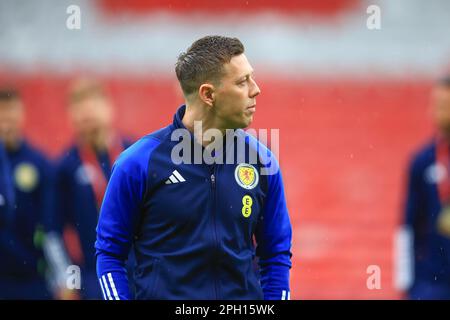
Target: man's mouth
x,y
252,108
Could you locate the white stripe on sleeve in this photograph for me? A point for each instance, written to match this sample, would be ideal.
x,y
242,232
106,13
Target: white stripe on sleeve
x,y
106,287
113,286
103,290
404,258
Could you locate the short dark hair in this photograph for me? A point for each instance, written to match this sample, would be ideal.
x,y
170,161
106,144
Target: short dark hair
x,y
8,94
204,59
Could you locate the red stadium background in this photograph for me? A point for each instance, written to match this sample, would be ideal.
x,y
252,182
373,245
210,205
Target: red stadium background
x,y
343,151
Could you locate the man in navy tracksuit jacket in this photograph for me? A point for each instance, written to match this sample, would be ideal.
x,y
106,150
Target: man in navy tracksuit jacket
x,y
6,188
23,269
32,174
423,243
196,227
6,211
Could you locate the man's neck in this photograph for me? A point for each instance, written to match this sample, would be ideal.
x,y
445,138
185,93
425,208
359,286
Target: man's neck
x,y
445,135
100,140
12,144
199,113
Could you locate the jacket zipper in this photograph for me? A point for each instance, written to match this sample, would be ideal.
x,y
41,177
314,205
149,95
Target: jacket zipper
x,y
213,185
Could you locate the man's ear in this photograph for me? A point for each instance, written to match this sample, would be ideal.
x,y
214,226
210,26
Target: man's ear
x,y
206,93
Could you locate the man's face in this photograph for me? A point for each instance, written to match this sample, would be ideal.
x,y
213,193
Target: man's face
x,y
235,97
91,115
11,120
441,105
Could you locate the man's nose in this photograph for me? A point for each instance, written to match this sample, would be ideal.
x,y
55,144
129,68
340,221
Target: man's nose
x,y
255,89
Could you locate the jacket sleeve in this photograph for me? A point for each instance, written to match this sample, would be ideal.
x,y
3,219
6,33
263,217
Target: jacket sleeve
x,y
53,246
115,230
7,197
404,237
274,237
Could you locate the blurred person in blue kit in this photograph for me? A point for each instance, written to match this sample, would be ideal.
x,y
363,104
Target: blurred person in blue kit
x,y
6,214
23,269
6,188
6,197
423,243
82,175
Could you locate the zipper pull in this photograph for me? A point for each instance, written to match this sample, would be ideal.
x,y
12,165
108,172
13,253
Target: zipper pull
x,y
213,180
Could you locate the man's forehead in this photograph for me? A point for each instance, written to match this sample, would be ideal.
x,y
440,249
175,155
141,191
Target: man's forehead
x,y
238,66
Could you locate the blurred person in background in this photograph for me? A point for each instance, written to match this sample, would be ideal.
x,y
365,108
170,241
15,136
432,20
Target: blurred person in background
x,y
423,243
6,214
6,189
23,267
82,175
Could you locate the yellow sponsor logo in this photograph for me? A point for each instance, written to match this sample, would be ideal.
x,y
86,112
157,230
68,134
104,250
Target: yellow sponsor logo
x,y
247,203
444,221
26,177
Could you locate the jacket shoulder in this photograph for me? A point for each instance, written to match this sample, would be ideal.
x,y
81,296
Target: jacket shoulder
x,y
423,156
36,155
138,154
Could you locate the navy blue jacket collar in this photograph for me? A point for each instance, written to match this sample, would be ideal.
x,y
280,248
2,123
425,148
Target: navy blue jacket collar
x,y
22,145
178,117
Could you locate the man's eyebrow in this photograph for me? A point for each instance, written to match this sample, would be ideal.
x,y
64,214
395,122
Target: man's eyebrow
x,y
245,76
